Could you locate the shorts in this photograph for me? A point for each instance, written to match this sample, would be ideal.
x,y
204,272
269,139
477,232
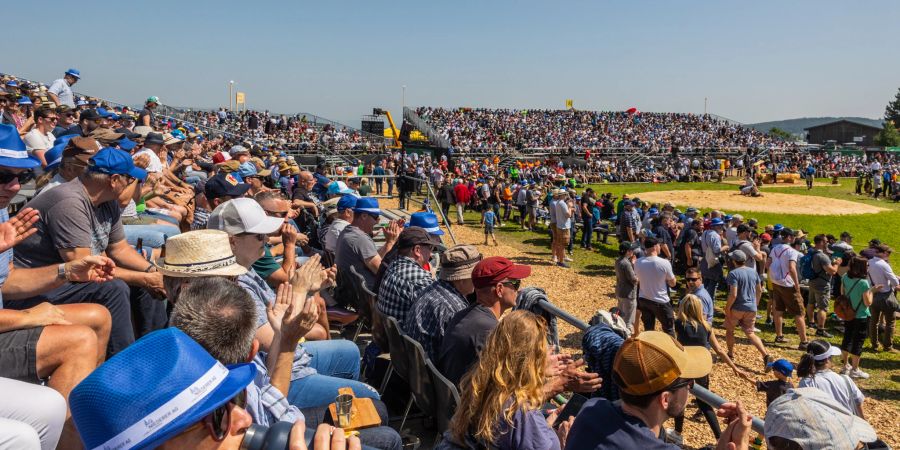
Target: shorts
x,y
788,300
819,300
744,319
18,354
560,235
488,229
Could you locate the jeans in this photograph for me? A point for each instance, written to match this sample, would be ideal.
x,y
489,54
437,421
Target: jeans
x,y
711,277
883,305
113,295
652,311
153,236
381,437
587,230
159,216
337,364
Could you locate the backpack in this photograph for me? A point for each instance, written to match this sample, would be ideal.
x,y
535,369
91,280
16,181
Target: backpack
x,y
843,308
806,268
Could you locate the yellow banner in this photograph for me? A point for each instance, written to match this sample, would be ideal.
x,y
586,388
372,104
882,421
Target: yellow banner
x,y
569,103
239,98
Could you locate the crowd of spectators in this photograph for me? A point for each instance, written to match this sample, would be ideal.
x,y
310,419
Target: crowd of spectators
x,y
165,287
499,130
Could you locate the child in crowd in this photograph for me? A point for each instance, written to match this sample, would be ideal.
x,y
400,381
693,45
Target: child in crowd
x,y
783,370
488,218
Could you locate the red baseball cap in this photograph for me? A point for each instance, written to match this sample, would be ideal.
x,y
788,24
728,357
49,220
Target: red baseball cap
x,y
220,157
495,269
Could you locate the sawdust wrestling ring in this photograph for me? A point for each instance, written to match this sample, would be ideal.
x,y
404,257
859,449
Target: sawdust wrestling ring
x,y
769,202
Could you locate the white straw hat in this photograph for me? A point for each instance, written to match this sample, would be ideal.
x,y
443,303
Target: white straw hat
x,y
199,253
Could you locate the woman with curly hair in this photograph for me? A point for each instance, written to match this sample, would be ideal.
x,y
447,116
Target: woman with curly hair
x,y
500,403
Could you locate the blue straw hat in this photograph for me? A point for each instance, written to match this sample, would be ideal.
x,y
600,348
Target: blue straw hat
x,y
12,150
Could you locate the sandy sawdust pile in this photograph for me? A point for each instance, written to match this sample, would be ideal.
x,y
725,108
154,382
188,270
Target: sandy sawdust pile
x,y
772,202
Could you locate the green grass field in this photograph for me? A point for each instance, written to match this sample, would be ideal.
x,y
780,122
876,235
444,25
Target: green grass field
x,y
884,368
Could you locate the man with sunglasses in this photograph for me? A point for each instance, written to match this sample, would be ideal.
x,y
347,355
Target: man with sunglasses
x,y
83,217
65,120
41,137
405,276
654,374
355,245
496,281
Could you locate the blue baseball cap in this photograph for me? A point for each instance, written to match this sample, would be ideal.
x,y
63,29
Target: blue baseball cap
x,y
727,217
346,202
12,83
74,72
778,227
368,205
152,391
12,150
426,220
113,161
126,144
717,222
24,101
54,155
783,366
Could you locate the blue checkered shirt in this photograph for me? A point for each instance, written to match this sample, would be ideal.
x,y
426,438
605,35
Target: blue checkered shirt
x,y
430,314
265,402
600,345
399,286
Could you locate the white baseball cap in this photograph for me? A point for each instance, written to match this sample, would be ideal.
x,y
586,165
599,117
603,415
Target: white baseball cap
x,y
243,215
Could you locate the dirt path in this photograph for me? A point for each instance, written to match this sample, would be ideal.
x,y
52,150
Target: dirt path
x,y
772,202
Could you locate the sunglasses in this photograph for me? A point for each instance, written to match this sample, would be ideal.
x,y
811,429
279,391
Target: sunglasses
x,y
23,177
219,421
692,279
279,214
514,284
374,217
680,384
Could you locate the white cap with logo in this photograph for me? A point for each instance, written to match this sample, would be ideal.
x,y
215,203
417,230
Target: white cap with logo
x,y
243,215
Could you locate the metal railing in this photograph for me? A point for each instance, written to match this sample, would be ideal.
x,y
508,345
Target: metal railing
x,y
420,124
702,394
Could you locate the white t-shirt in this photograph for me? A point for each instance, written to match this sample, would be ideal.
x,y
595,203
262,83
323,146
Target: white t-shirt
x,y
780,270
34,140
652,272
563,217
839,387
155,163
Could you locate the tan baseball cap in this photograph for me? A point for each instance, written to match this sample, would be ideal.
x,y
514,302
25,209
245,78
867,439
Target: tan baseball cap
x,y
653,360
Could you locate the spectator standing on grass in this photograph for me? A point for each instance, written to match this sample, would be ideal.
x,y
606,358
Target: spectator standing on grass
x,y
461,195
488,220
783,272
740,308
855,285
656,277
694,285
654,374
714,247
884,303
629,222
823,268
626,283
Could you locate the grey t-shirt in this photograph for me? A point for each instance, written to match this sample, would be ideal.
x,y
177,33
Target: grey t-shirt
x,y
822,280
354,248
68,221
653,271
746,280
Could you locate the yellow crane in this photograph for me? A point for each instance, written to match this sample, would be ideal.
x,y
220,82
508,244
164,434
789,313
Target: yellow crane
x,y
394,131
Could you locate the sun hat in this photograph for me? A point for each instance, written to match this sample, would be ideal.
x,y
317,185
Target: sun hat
x,y
126,144
653,360
81,148
822,350
338,188
172,139
368,205
142,130
12,150
154,138
74,73
238,150
106,136
24,100
54,155
727,218
199,253
330,205
12,83
457,262
426,220
495,269
813,419
717,222
153,390
113,161
778,227
783,367
243,215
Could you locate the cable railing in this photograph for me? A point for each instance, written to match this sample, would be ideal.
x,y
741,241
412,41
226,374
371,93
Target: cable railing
x,y
702,394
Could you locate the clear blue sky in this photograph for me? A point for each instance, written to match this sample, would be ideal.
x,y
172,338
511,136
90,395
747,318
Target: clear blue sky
x,y
755,61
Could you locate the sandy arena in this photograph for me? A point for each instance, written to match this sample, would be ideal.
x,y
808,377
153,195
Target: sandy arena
x,y
770,202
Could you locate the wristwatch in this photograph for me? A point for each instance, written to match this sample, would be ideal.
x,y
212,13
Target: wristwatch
x,y
61,271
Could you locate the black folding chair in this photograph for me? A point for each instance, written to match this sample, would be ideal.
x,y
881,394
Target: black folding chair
x,y
421,383
446,398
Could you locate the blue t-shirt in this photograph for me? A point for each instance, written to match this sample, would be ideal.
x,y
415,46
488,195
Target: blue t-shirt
x,y
707,302
602,425
5,257
746,280
489,218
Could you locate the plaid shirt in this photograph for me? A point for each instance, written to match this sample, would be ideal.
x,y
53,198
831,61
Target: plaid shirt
x,y
265,403
402,280
430,314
